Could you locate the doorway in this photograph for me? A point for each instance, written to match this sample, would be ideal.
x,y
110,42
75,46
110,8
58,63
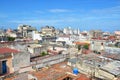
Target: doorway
x,y
4,67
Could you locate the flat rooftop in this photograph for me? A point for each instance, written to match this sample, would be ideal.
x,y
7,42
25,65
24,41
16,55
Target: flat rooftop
x,y
59,71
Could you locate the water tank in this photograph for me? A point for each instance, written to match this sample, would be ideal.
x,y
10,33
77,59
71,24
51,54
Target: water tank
x,y
75,71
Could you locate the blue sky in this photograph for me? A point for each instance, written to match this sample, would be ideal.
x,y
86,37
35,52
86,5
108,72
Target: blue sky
x,y
83,14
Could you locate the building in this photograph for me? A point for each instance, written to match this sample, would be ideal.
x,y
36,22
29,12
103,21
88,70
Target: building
x,y
69,30
64,38
111,70
97,45
12,60
95,33
56,50
74,38
48,31
36,36
59,71
11,33
117,34
36,49
3,37
112,50
26,30
96,66
48,39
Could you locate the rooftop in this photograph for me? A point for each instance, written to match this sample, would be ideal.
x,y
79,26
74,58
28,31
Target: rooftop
x,y
54,72
60,71
83,77
35,45
82,43
113,68
7,50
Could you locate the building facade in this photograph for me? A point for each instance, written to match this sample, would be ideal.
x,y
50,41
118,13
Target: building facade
x,y
12,60
26,30
48,31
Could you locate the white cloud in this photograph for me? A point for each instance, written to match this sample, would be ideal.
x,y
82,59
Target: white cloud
x,y
59,10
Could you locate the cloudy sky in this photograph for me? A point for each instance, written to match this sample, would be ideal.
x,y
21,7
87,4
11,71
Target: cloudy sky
x,y
82,14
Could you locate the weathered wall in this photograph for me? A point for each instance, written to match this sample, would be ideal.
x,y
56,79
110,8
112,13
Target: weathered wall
x,y
36,51
106,74
112,50
48,61
8,63
21,60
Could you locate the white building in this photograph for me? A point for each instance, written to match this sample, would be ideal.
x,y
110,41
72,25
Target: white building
x,y
69,30
26,30
36,36
76,31
64,38
117,33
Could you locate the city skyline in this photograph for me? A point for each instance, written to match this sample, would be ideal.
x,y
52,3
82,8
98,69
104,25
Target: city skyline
x,y
82,14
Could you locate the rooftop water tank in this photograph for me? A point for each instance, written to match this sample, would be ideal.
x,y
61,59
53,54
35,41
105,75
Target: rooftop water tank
x,y
75,71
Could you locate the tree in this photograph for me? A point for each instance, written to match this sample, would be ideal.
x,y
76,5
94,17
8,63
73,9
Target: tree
x,y
43,53
11,38
86,46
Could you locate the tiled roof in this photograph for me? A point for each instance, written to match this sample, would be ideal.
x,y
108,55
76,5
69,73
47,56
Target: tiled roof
x,y
83,77
7,50
81,43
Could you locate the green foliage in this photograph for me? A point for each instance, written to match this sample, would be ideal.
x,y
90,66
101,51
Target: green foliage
x,y
43,53
11,38
86,46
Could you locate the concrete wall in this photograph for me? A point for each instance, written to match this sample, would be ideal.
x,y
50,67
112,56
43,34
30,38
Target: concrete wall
x,y
35,51
96,45
91,70
9,65
106,74
20,60
48,61
112,50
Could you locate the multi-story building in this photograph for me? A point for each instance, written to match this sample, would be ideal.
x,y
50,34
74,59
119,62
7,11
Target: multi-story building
x,y
36,36
48,31
11,33
95,33
64,39
69,30
26,30
2,36
117,33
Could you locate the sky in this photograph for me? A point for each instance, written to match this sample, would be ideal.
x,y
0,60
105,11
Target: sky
x,y
82,14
